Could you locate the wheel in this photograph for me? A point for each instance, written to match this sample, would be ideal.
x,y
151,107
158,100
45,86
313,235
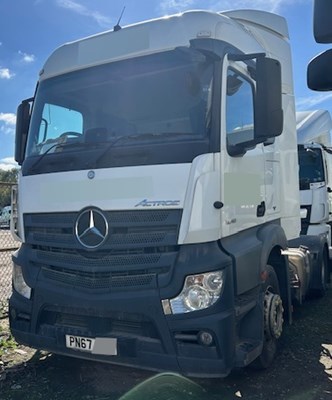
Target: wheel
x,y
273,320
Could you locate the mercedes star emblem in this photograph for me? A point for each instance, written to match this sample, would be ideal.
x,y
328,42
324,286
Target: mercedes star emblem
x,y
91,228
91,174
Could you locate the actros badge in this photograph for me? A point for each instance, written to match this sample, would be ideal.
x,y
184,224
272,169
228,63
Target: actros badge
x,y
91,228
157,203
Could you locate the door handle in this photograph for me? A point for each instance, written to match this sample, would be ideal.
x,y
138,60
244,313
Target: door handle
x,y
261,209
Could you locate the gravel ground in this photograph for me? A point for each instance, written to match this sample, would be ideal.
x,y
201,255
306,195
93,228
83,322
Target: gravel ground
x,y
302,370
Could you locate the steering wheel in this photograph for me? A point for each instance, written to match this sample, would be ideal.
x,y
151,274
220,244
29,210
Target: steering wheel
x,y
70,133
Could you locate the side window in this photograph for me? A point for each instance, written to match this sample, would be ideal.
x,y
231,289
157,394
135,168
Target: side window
x,y
239,109
57,120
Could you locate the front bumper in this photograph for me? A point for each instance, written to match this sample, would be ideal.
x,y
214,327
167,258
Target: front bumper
x,y
146,337
153,343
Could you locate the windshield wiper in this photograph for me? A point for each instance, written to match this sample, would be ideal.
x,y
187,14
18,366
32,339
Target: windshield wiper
x,y
55,145
135,137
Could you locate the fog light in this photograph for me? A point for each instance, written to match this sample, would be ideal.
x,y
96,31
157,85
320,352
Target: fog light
x,y
205,338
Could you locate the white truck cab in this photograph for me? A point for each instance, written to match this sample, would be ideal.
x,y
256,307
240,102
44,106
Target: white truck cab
x,y
315,172
158,200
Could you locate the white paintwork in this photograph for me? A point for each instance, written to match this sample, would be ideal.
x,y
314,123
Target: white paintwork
x,y
289,171
200,221
319,229
172,31
264,20
111,189
313,130
265,173
314,127
317,198
262,174
142,39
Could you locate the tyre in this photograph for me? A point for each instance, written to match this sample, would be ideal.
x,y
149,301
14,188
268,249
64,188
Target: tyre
x,y
273,320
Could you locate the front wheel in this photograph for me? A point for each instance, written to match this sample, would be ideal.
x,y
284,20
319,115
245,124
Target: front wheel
x,y
273,320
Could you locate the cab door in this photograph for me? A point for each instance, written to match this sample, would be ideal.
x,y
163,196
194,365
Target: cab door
x,y
243,174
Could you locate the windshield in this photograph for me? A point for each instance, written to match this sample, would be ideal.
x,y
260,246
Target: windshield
x,y
311,166
148,101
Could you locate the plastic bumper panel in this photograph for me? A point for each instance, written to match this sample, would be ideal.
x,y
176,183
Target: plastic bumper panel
x,y
146,338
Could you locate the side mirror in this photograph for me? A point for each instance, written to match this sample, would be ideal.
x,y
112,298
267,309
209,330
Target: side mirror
x,y
268,100
323,21
319,74
22,126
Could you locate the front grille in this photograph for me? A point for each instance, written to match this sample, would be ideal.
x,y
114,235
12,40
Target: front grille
x,y
99,280
140,245
116,261
127,229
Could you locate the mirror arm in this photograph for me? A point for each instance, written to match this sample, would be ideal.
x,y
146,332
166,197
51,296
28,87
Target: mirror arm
x,y
239,150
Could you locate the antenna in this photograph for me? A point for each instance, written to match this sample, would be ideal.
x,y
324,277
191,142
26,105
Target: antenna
x,y
117,27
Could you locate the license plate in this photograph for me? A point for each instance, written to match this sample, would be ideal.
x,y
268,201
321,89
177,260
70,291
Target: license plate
x,y
104,346
80,343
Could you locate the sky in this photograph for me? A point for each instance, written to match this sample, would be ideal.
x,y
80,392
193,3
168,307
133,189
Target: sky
x,y
31,29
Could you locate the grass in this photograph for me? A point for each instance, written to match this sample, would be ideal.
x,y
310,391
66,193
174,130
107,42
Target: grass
x,y
6,340
6,343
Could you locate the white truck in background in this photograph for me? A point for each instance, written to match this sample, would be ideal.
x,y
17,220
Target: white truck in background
x,y
315,172
158,202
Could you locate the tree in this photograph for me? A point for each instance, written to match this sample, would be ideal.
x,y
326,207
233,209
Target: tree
x,y
7,178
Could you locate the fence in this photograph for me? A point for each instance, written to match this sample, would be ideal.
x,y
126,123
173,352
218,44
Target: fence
x,y
7,245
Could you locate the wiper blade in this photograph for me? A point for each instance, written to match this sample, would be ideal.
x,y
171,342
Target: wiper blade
x,y
111,144
55,145
159,134
135,137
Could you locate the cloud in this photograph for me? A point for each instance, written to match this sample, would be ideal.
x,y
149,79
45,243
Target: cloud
x,y
267,5
8,118
80,9
304,103
27,58
7,123
8,163
5,73
176,5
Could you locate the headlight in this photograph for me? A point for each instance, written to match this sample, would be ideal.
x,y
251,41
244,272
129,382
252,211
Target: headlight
x,y
303,212
198,292
19,283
